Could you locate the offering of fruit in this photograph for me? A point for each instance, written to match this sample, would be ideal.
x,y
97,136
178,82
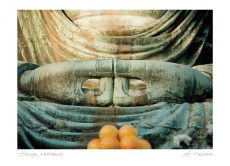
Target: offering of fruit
x,y
108,130
127,130
109,142
129,142
124,138
143,144
94,144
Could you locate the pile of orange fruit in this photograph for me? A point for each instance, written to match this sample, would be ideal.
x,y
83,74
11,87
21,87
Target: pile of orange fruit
x,y
124,138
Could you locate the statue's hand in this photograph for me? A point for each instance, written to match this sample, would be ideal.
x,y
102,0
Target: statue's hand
x,y
165,81
62,82
169,82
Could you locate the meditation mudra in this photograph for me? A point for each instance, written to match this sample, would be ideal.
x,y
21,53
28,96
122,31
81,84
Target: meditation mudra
x,y
80,70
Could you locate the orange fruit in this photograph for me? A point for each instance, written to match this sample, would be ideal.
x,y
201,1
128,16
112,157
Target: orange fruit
x,y
127,130
94,144
109,142
108,130
143,144
129,142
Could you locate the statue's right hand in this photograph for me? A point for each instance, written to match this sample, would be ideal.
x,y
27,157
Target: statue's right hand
x,y
62,81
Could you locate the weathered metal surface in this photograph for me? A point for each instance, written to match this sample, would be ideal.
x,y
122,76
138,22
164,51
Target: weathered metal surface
x,y
49,125
62,82
175,36
177,108
168,82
